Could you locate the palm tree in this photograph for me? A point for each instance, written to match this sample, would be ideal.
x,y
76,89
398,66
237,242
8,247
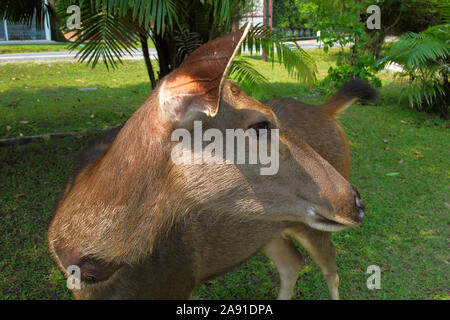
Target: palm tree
x,y
111,28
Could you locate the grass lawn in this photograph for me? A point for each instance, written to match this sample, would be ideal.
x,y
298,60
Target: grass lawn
x,y
52,47
400,166
25,48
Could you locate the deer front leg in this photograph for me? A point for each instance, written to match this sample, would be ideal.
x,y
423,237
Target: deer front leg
x,y
288,261
319,246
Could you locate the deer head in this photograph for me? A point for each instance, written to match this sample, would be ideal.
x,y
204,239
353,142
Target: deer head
x,y
123,206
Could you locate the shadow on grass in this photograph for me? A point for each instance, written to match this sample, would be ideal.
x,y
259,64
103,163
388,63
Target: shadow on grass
x,y
31,112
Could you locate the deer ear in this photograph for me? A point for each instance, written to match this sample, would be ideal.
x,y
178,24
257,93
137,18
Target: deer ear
x,y
197,83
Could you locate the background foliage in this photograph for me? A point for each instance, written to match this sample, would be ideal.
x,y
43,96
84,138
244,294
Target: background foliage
x,y
425,60
294,13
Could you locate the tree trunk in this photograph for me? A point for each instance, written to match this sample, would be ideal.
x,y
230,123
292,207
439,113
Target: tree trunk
x,y
166,54
375,45
143,37
354,49
266,24
212,20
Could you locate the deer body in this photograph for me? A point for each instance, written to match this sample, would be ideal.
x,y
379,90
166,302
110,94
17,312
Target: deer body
x,y
140,227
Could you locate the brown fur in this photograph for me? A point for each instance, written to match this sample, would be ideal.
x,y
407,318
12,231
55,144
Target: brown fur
x,y
321,131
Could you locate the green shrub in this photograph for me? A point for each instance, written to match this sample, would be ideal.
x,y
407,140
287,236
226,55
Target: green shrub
x,y
341,26
365,67
425,60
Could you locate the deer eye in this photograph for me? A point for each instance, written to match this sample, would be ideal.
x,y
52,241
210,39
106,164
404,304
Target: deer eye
x,y
89,277
263,125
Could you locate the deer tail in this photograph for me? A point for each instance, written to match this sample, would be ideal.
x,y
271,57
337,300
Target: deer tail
x,y
347,94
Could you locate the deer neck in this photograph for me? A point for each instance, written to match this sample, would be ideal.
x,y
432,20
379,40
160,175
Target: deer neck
x,y
128,187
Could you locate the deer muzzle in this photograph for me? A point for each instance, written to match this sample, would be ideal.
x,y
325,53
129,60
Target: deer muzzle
x,y
335,219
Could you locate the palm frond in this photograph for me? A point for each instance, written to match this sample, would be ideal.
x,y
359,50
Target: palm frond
x,y
297,61
424,57
104,36
251,80
415,50
222,9
444,10
158,13
299,64
110,28
186,42
423,94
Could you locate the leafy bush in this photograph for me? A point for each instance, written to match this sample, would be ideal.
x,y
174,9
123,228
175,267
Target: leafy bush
x,y
293,13
425,60
364,67
340,25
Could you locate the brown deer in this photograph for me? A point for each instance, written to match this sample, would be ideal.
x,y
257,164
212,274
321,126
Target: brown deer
x,y
140,226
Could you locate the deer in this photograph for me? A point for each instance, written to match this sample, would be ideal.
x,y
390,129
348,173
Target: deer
x,y
139,226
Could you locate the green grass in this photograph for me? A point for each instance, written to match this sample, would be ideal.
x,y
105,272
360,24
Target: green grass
x,y
43,98
405,232
26,48
52,47
46,97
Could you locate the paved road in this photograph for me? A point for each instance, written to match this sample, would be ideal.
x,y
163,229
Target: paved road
x,y
65,55
62,55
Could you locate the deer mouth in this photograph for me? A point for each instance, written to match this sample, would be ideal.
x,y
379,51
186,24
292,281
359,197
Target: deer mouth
x,y
319,222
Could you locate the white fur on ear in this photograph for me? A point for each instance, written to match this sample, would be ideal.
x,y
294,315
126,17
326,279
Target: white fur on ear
x,y
179,107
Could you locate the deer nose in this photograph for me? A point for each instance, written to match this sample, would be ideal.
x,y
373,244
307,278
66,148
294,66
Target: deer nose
x,y
359,209
360,206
